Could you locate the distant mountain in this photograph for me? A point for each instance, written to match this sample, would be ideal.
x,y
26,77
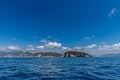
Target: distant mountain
x,y
43,54
111,55
27,54
14,54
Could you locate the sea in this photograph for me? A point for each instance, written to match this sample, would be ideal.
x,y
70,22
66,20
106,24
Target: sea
x,y
99,68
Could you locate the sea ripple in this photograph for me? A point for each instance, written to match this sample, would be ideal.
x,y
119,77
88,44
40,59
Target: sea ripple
x,y
59,68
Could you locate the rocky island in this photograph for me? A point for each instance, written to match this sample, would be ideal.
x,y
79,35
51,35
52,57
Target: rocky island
x,y
76,54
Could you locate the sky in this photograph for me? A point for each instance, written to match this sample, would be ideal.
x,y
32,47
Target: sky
x,y
65,24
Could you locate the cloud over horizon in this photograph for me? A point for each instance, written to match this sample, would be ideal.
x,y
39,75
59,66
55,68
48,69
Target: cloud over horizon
x,y
93,49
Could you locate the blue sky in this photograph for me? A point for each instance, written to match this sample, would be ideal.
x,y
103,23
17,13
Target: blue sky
x,y
69,22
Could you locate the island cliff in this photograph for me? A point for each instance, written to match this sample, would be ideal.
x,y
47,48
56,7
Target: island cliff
x,y
76,54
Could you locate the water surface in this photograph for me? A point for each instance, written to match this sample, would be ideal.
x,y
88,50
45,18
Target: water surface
x,y
59,68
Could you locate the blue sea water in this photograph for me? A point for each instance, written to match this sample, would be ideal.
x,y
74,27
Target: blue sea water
x,y
59,68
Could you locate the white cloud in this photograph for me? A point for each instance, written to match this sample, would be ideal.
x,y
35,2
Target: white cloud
x,y
91,46
30,48
113,12
47,47
40,47
13,47
57,47
53,44
78,48
66,48
103,49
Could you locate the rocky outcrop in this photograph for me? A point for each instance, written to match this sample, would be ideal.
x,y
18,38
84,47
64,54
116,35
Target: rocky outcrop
x,y
76,54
